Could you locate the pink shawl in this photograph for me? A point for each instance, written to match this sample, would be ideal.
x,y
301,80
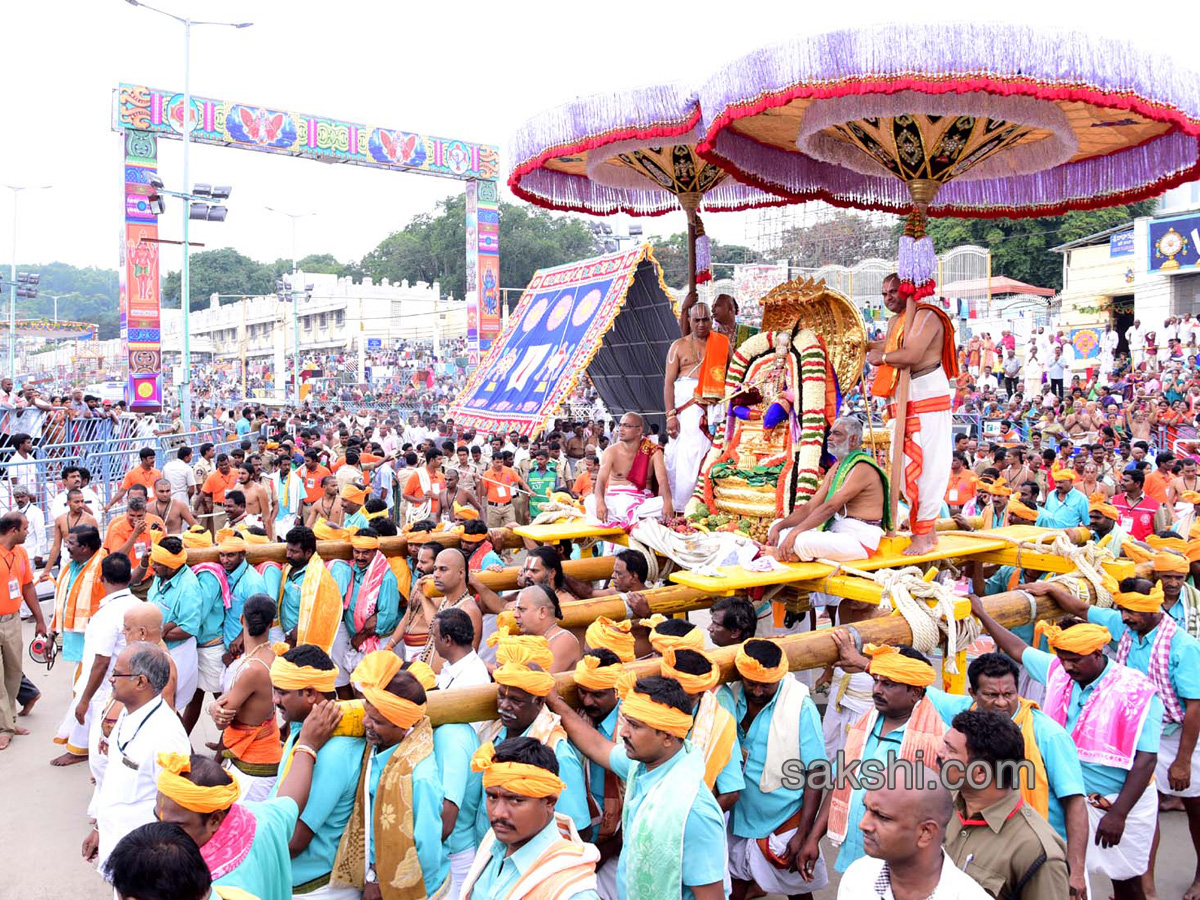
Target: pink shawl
x,y
230,844
368,598
217,571
1106,732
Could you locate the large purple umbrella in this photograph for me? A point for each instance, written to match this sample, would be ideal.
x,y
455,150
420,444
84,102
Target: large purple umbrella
x,y
631,152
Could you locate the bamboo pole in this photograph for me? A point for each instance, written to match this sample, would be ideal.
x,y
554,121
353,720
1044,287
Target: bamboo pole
x,y
665,600
598,568
809,650
389,546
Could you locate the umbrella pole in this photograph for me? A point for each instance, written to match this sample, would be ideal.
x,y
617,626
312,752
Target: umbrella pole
x,y
690,202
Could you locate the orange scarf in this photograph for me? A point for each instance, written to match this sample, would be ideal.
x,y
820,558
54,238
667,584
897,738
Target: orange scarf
x,y
75,605
711,376
1039,795
886,377
714,734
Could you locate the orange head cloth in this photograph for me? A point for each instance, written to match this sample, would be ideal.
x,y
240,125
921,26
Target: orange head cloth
x,y
372,676
1019,510
359,542
506,618
750,668
461,511
288,676
1179,545
234,544
164,557
642,708
691,684
1166,561
515,655
255,538
1099,503
1192,497
693,640
519,778
888,662
223,533
1064,475
326,532
591,675
1084,639
354,494
379,513
1146,603
999,487
171,783
421,671
196,536
610,635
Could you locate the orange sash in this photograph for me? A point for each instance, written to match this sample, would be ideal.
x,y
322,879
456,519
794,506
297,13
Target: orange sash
x,y
75,605
711,376
886,376
252,744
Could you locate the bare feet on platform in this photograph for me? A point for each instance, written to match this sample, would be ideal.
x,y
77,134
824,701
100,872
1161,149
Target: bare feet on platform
x,y
28,707
921,543
68,759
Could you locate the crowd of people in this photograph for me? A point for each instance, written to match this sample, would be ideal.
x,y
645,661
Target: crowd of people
x,y
346,767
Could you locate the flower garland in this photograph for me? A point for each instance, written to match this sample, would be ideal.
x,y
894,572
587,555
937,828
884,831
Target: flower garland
x,y
813,376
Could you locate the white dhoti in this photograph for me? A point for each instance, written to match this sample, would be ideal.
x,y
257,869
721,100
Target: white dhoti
x,y
210,668
849,698
251,788
1131,857
685,454
606,880
846,539
341,643
928,449
460,865
331,892
747,863
1168,749
187,670
71,733
625,503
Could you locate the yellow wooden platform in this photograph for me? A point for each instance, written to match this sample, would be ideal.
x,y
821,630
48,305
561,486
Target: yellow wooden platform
x,y
570,531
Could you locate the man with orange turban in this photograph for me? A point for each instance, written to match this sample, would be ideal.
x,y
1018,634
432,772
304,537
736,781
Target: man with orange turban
x,y
393,847
1114,716
764,826
668,806
352,498
902,723
524,680
1066,507
991,498
1181,600
714,730
177,593
1104,520
520,778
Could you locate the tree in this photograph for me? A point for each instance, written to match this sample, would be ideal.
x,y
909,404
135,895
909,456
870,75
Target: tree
x,y
432,247
223,272
672,255
1021,247
84,295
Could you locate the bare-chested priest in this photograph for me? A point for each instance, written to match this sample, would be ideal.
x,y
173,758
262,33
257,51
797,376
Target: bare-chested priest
x,y
623,486
842,521
928,352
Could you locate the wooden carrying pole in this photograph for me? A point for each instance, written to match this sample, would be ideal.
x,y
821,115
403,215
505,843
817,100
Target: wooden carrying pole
x,y
810,650
389,546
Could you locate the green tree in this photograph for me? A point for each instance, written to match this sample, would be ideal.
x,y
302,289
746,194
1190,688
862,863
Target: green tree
x,y
1021,247
84,295
222,271
671,253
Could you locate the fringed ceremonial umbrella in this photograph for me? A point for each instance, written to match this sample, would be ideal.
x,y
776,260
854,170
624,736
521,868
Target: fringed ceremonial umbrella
x,y
631,152
965,120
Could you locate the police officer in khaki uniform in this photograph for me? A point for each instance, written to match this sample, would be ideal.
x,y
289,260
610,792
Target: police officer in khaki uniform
x,y
994,836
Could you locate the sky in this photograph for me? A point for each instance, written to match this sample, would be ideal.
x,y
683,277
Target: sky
x,y
465,69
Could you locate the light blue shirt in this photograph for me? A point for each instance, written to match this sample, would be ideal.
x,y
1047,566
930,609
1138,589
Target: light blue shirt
x,y
330,802
501,873
212,615
242,426
757,814
572,802
1097,778
596,771
997,583
704,857
426,813
453,747
180,600
349,577
1063,771
1068,513
358,520
491,558
266,872
244,583
289,610
73,640
1183,662
878,746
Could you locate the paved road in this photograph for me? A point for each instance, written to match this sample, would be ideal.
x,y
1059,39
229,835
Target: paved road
x,y
45,825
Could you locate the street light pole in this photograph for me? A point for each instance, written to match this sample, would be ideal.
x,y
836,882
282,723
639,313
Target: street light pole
x,y
12,277
295,300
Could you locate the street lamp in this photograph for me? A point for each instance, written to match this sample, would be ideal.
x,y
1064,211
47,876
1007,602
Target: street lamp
x,y
185,399
12,277
295,302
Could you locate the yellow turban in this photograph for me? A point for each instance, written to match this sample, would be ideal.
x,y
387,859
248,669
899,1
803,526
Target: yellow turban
x,y
171,783
354,494
223,533
1179,545
999,487
515,656
506,618
1176,563
290,677
463,511
610,635
519,778
1101,505
326,532
888,662
423,673
1064,475
372,516
271,445
1083,639
255,538
521,648
196,536
358,542
164,557
642,708
1021,511
233,544
693,640
1192,497
691,684
751,668
372,676
591,675
1146,603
